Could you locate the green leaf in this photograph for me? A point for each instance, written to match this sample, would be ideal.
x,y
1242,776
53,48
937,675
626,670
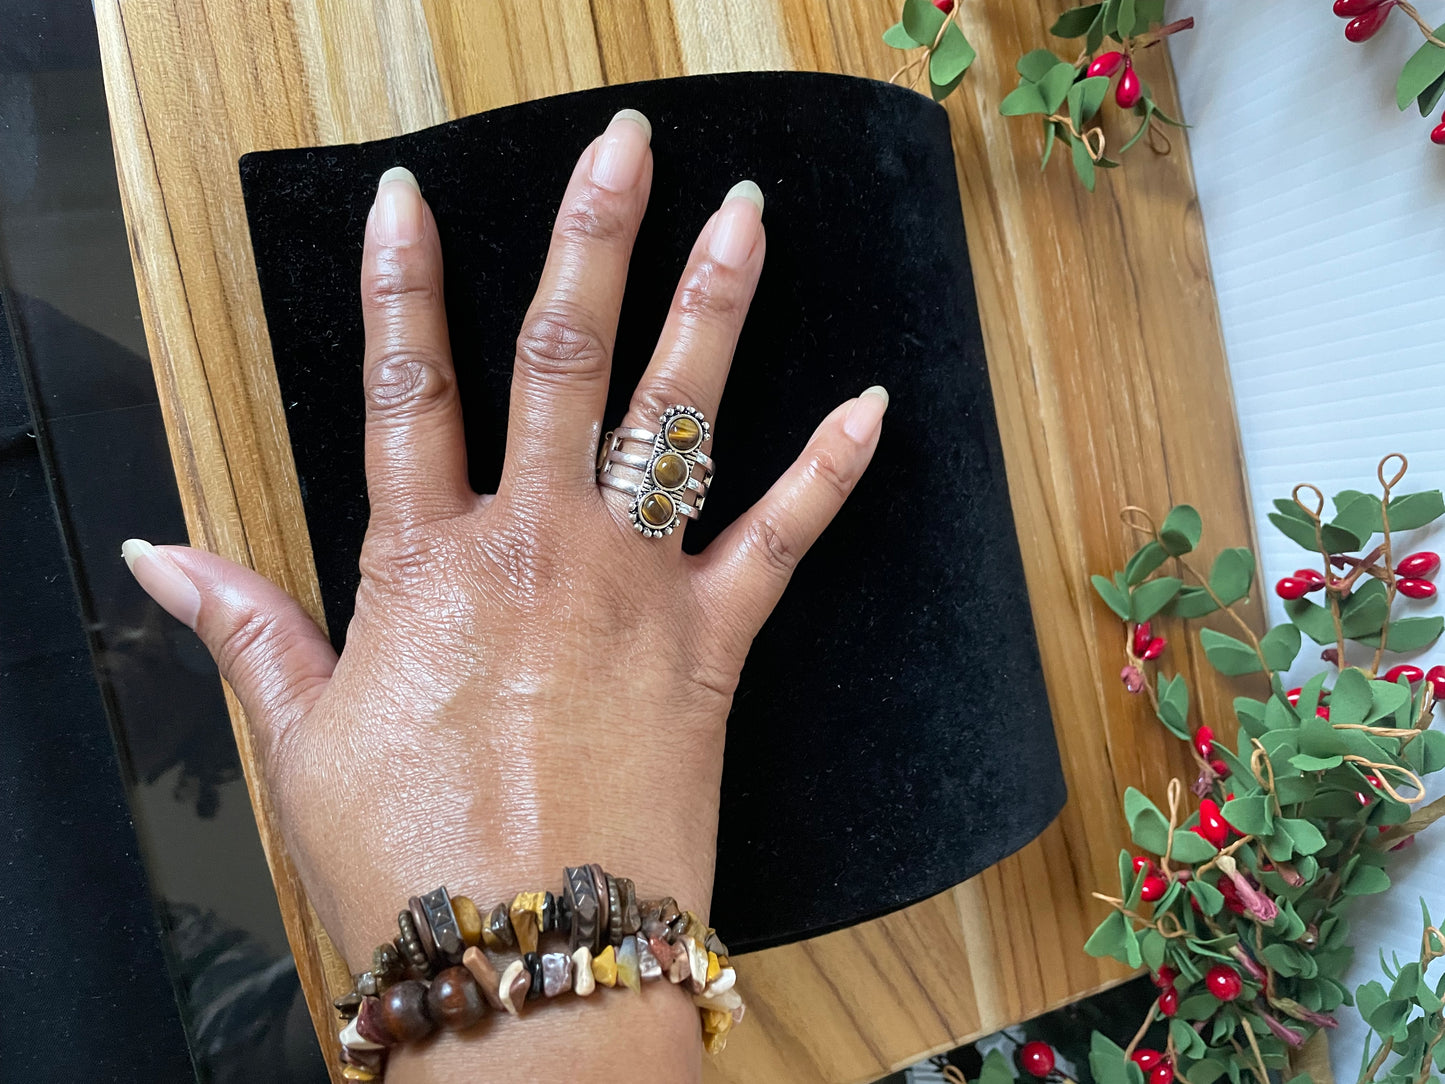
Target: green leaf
x,y
1231,574
1147,825
951,58
1408,634
1414,510
1307,838
941,91
1359,516
1228,655
1194,602
1191,847
1364,612
1035,65
996,1069
1386,698
1352,696
921,20
1149,598
1054,86
1279,646
1306,763
1252,815
1085,97
1109,937
1051,136
1427,752
1210,898
1075,21
1300,531
1126,19
1430,97
1423,68
1145,109
1023,100
1313,620
897,36
1366,881
1095,34
1182,526
1174,705
1115,599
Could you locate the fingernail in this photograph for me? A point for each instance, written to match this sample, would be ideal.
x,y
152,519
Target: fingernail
x,y
866,414
163,580
398,209
735,229
617,162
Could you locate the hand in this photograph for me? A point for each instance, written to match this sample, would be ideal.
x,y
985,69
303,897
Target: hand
x,y
527,682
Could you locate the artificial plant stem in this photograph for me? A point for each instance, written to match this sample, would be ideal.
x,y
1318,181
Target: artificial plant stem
x,y
1377,1061
1389,580
1241,622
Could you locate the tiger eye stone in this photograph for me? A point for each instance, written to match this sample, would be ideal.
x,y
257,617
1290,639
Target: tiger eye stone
x,y
469,920
497,934
670,470
683,433
656,510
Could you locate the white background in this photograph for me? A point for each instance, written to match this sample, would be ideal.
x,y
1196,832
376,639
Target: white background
x,y
1324,211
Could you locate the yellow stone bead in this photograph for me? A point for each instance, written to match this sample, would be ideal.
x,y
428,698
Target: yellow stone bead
x,y
469,920
656,510
604,967
715,1028
526,916
356,1072
714,969
670,471
683,433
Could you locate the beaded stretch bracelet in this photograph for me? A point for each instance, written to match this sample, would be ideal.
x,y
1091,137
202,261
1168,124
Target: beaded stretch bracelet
x,y
436,973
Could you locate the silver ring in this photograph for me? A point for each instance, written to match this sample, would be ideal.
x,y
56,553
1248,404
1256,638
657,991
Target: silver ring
x,y
667,472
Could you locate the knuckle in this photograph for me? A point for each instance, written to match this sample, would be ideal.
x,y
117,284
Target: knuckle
x,y
595,216
826,468
398,284
403,559
256,635
401,383
556,343
709,296
773,546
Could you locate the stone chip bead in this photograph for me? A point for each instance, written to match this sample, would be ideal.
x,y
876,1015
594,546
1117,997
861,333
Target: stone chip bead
x,y
697,964
469,921
631,916
715,1028
583,981
357,1072
628,965
556,973
354,1037
533,963
387,965
604,967
454,1000
684,433
648,969
512,990
403,1012
497,933
475,961
526,915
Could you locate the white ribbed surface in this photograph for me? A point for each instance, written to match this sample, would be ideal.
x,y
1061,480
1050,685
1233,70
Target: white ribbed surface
x,y
1324,210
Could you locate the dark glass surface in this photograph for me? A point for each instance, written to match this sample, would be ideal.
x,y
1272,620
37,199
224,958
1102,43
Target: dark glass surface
x,y
139,933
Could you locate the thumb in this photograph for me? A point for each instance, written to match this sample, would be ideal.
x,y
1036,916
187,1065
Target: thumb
x,y
267,647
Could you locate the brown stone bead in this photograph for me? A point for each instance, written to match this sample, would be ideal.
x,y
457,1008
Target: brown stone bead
x,y
403,1012
549,918
375,1060
631,916
497,934
469,920
454,1000
533,964
347,1004
684,433
525,924
387,964
670,471
369,1023
656,510
475,961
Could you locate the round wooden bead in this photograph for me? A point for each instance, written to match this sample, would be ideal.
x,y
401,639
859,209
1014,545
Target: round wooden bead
x,y
469,920
454,1000
403,1012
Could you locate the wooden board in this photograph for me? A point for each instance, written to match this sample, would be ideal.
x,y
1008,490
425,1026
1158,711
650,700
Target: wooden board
x,y
1104,350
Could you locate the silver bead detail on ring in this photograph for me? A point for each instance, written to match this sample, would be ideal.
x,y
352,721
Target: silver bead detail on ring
x,y
672,475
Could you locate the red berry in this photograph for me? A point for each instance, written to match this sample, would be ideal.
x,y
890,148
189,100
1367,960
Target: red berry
x,y
1322,711
1231,895
1165,976
1212,825
1348,9
1223,982
1437,135
1130,90
1422,565
1410,673
1036,1059
1362,798
1163,1073
1204,742
1142,636
1415,588
1315,579
1146,1058
1293,696
1436,677
1219,768
1153,888
1372,779
944,6
1363,27
1156,647
1105,64
1169,1002
1291,588
1142,862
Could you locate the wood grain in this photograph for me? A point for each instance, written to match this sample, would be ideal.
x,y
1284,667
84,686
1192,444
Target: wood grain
x,y
1104,351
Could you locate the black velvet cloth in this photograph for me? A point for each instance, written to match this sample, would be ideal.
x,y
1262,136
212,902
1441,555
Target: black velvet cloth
x,y
891,736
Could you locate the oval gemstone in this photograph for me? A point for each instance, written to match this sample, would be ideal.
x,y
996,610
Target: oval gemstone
x,y
670,471
683,433
656,510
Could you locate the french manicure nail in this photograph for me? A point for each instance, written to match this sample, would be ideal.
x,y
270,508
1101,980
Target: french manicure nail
x,y
735,229
163,580
866,414
617,162
398,211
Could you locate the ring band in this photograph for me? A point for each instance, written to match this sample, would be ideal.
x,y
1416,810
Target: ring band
x,y
669,479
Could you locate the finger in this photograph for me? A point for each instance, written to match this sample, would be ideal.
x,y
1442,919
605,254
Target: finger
x,y
267,648
748,565
564,351
416,457
695,350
